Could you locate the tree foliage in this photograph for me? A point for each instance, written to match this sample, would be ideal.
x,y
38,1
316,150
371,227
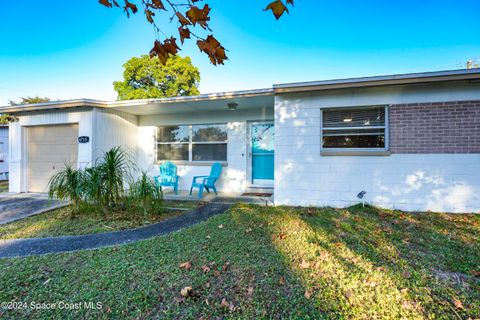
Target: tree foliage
x,y
6,118
189,18
29,100
145,77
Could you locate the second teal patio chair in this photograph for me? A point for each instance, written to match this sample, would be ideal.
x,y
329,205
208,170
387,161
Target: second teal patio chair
x,y
207,182
168,176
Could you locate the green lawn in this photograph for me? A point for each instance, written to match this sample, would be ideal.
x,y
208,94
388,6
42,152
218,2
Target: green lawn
x,y
61,222
360,263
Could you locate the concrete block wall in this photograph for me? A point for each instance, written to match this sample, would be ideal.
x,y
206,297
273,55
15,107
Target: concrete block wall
x,y
439,181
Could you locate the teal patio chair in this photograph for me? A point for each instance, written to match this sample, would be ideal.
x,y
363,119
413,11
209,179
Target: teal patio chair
x,y
168,176
207,182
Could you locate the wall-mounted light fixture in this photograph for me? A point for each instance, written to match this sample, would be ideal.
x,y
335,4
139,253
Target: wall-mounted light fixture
x,y
232,106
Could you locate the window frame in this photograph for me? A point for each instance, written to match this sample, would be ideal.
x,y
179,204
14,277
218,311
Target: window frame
x,y
190,144
356,151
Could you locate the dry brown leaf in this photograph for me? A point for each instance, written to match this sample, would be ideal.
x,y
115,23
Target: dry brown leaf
x,y
224,303
185,265
475,273
281,280
200,16
205,269
307,294
225,266
250,291
304,264
206,302
457,303
406,274
277,7
216,273
181,18
149,14
348,293
184,33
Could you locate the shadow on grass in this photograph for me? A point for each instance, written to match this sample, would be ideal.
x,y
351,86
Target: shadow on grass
x,y
414,265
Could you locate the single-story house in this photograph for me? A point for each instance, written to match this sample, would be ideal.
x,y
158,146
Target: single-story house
x,y
3,152
409,141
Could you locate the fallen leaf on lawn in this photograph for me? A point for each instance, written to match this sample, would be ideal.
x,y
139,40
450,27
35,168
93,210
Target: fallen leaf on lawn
x,y
216,273
348,293
207,285
475,273
281,281
381,269
224,303
406,274
250,291
208,237
307,294
205,268
282,236
248,230
404,290
225,266
186,292
304,264
406,304
324,255
457,303
185,265
206,302
220,226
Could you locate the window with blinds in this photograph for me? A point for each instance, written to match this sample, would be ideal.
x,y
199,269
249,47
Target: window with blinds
x,y
359,128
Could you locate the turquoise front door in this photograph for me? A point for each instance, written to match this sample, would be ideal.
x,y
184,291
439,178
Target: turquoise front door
x,y
263,141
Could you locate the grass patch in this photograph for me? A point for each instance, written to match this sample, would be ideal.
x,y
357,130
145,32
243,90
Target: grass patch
x,y
61,221
358,263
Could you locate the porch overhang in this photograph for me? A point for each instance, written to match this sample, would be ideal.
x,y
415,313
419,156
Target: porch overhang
x,y
244,100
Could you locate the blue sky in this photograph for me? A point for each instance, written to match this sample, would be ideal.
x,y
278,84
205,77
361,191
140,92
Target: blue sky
x,y
75,49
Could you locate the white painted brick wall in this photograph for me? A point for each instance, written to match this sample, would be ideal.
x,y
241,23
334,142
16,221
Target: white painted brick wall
x,y
437,182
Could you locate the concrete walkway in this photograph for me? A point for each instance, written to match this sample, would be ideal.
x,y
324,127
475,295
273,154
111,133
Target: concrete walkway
x,y
18,206
26,247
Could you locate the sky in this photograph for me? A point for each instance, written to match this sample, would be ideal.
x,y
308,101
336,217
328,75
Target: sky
x,y
75,49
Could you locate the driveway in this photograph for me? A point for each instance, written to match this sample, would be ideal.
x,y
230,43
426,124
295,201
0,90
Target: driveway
x,y
18,206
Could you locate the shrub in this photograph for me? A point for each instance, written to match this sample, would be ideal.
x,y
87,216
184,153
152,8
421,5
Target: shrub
x,y
67,184
146,192
114,171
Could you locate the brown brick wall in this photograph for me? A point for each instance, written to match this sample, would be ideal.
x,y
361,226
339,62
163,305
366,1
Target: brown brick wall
x,y
449,127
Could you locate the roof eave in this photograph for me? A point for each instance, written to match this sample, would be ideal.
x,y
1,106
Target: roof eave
x,y
428,77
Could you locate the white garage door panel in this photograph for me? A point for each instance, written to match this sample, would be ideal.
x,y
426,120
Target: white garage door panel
x,y
48,149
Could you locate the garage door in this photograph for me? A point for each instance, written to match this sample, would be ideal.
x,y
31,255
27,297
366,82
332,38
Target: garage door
x,y
48,149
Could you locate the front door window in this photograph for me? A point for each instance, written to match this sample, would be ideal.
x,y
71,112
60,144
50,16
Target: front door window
x,y
263,140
